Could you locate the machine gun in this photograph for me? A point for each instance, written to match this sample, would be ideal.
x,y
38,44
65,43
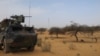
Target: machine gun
x,y
18,19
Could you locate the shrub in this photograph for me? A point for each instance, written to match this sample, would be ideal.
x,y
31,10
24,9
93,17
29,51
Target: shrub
x,y
72,46
46,46
39,42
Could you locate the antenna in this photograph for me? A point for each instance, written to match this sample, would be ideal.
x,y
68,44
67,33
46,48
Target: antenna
x,y
29,11
48,23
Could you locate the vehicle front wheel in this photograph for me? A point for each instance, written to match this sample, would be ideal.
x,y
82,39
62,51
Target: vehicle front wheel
x,y
6,47
0,47
31,48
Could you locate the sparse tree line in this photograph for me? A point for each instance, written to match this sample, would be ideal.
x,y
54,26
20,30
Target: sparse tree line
x,y
73,30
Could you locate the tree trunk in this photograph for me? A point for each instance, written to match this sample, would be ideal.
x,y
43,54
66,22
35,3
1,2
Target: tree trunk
x,y
57,35
95,40
76,32
76,37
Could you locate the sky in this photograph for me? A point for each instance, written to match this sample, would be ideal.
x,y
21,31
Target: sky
x,y
53,13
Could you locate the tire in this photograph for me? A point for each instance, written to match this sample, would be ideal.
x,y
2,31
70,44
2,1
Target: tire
x,y
31,48
1,47
6,47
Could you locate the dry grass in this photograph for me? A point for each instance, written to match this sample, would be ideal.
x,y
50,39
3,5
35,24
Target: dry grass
x,y
39,42
46,46
72,46
78,54
62,46
64,41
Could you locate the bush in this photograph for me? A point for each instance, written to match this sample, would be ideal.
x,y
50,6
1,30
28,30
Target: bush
x,y
78,54
64,41
39,42
46,46
72,46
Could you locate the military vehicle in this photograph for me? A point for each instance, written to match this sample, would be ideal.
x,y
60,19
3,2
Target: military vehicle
x,y
16,36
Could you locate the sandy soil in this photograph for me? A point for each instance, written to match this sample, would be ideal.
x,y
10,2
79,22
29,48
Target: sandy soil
x,y
63,46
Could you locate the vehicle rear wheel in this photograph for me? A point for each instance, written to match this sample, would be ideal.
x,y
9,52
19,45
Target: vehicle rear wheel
x,y
6,47
31,48
0,47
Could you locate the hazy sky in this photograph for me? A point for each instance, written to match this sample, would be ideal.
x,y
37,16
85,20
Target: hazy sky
x,y
59,12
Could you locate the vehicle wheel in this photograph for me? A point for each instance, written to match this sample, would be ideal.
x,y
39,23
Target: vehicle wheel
x,y
0,47
31,48
6,47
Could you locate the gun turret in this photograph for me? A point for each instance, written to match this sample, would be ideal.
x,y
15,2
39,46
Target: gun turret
x,y
18,19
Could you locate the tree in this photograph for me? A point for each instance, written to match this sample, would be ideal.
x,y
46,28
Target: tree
x,y
55,30
41,30
72,29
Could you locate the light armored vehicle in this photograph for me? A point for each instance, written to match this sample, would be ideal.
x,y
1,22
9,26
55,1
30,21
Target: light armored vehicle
x,y
17,36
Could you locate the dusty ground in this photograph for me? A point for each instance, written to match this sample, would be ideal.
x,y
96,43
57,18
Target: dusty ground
x,y
63,46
